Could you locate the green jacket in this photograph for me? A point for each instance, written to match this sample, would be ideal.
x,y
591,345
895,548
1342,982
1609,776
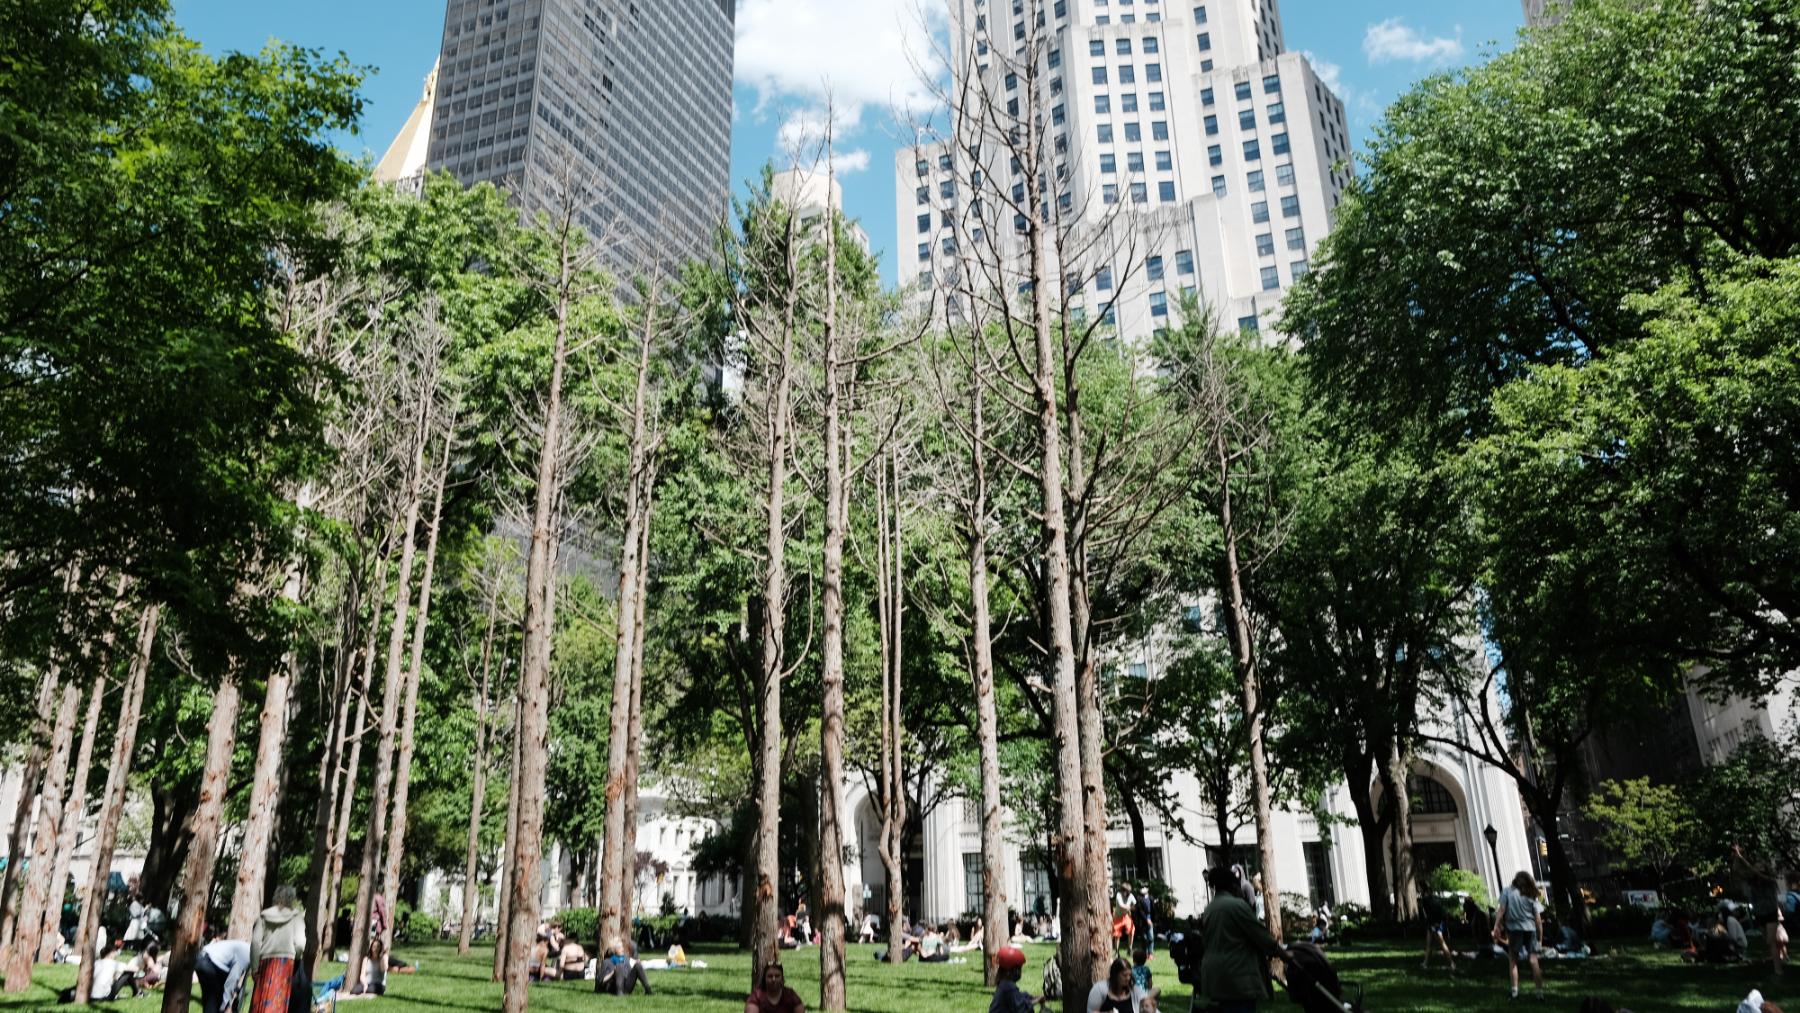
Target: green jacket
x,y
1236,950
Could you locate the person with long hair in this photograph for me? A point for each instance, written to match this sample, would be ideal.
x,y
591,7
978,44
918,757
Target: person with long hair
x,y
1521,919
276,943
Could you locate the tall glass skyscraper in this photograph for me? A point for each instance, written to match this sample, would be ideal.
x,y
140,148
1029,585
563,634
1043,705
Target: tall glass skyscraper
x,y
627,100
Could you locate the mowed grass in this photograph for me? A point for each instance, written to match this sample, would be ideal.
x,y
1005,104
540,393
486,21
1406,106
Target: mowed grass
x,y
1632,977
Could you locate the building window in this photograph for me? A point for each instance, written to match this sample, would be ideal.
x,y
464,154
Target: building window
x,y
1319,885
1134,161
1259,212
1140,193
1099,75
1164,162
924,251
1246,119
923,167
1123,47
1105,133
1127,74
1153,73
973,895
1109,164
1279,143
1103,279
1299,268
1200,15
1103,104
1218,186
1151,45
1133,133
1265,245
1035,899
1296,239
1165,191
947,189
1205,41
1159,307
1157,102
923,194
1153,268
925,223
1159,130
1271,279
1252,151
1277,113
1212,126
1250,324
1290,206
1284,175
1184,262
1128,102
1215,155
1272,84
1109,193
1431,798
1255,181
1206,97
1243,91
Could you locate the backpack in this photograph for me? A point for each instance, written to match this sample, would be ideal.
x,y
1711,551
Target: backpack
x,y
1790,904
1053,978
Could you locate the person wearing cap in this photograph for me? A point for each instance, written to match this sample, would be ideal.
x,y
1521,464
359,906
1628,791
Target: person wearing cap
x,y
1009,961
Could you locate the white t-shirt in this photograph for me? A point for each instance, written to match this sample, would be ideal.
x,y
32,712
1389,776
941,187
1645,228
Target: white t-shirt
x,y
106,974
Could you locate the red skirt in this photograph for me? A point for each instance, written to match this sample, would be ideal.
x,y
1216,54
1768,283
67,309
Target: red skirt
x,y
274,986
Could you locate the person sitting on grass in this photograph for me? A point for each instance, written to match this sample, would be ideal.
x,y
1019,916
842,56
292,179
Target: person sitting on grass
x,y
974,943
572,960
620,973
1009,964
773,995
932,948
1114,994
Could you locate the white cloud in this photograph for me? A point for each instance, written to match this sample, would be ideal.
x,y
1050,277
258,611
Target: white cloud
x,y
852,161
1394,40
860,52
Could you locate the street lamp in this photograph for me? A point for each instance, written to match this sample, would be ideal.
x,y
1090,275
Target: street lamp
x,y
1493,839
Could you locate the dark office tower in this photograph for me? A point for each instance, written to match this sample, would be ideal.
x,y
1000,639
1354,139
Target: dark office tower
x,y
629,101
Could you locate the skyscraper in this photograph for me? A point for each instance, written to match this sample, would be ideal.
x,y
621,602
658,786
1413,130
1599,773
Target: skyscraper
x,y
629,100
1228,153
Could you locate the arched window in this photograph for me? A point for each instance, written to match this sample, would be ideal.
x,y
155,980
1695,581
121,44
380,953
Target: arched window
x,y
1431,798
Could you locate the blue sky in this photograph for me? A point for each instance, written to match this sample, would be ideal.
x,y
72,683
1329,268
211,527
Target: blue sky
x,y
867,50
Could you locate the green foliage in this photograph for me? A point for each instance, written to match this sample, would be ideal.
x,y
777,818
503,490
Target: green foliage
x,y
579,923
1650,826
1447,880
1748,802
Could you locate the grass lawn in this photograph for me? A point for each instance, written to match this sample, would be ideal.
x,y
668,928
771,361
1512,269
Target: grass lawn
x,y
1635,977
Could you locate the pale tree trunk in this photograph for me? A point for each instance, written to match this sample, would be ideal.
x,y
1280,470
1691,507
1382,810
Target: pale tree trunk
x,y
30,922
112,801
319,892
1083,956
993,845
265,785
893,732
203,849
765,903
345,802
508,848
478,791
635,730
1244,655
391,705
396,835
831,714
539,634
29,776
1096,884
615,858
73,808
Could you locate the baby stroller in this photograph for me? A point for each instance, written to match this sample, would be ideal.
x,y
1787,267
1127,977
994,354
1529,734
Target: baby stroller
x,y
1314,986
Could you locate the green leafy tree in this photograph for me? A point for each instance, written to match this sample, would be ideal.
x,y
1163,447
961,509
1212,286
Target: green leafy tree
x,y
1649,826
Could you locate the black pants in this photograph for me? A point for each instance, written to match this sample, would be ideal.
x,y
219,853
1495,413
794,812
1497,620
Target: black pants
x,y
621,979
212,984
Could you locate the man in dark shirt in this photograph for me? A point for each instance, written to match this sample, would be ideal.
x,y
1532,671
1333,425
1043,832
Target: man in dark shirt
x,y
1144,914
1234,967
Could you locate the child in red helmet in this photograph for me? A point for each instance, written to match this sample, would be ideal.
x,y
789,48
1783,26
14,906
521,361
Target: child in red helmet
x,y
1008,996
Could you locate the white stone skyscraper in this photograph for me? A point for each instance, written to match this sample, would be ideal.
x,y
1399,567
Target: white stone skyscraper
x,y
1188,124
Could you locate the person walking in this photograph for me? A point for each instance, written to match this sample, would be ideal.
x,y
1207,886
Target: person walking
x,y
276,943
1437,928
1521,918
1143,917
1235,947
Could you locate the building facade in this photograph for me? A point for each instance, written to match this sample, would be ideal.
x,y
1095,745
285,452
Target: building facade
x,y
1217,157
626,104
